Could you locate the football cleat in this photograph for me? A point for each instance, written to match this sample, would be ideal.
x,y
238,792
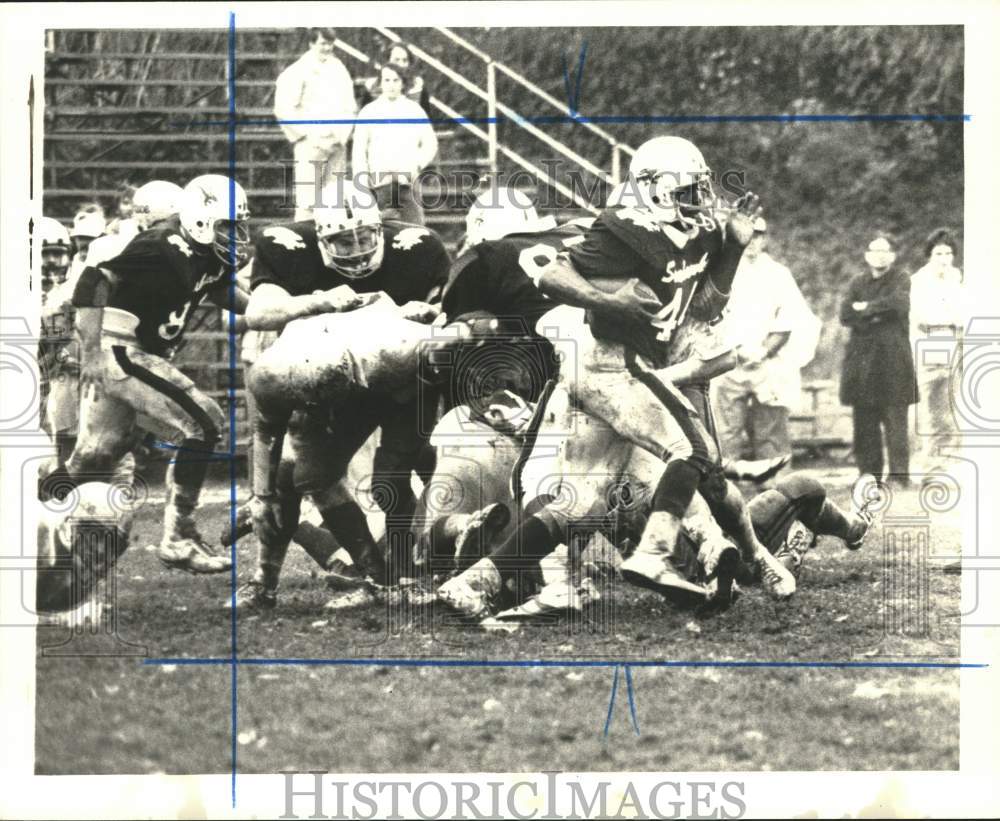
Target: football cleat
x,y
360,597
253,595
555,599
776,578
865,499
654,571
193,555
479,532
341,575
797,543
471,593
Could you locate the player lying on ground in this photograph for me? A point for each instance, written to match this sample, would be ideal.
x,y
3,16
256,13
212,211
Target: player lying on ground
x,y
788,518
132,312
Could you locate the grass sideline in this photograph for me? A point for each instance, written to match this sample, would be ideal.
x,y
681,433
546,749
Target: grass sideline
x,y
127,717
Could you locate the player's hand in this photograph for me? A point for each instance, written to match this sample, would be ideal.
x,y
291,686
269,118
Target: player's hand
x,y
267,519
418,311
341,298
634,309
739,221
92,377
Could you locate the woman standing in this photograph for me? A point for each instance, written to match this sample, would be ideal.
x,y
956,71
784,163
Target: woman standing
x,y
389,156
877,379
937,321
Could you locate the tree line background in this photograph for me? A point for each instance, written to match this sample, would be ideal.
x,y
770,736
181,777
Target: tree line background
x,y
826,186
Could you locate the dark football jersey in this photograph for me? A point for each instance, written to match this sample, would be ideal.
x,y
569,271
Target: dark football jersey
x,y
500,276
671,260
414,266
161,278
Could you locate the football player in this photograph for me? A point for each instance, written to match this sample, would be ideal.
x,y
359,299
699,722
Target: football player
x,y
674,254
132,312
788,519
344,259
56,362
152,203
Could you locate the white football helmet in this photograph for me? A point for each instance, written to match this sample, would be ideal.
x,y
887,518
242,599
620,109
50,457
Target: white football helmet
x,y
88,224
500,211
156,200
349,230
56,250
208,217
670,177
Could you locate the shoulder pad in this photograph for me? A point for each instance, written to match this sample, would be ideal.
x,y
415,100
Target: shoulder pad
x,y
409,236
285,237
177,241
643,233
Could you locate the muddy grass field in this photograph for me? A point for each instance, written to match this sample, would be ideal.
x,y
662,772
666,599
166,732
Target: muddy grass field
x,y
119,714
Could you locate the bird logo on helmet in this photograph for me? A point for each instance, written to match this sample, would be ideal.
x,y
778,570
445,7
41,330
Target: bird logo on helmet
x,y
211,220
156,200
349,230
671,178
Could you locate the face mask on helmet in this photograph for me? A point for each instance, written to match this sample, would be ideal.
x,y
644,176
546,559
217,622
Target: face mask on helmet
x,y
673,199
231,242
355,253
672,178
56,246
206,217
55,266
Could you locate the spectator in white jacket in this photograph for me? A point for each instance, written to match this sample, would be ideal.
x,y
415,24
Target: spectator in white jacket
x,y
317,86
389,156
777,333
937,320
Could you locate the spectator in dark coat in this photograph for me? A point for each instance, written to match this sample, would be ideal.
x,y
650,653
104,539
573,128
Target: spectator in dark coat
x,y
877,379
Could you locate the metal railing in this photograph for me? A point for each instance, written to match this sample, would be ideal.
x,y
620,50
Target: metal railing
x,y
495,107
617,147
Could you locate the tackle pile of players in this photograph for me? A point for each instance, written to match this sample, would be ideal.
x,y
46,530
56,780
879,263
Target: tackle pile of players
x,y
540,401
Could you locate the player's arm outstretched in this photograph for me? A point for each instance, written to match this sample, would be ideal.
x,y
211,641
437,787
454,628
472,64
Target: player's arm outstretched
x,y
271,307
712,295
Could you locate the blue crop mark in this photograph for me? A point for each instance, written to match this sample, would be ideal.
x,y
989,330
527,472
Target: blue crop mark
x,y
573,97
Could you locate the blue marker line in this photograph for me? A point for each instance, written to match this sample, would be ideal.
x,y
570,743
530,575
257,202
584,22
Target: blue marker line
x,y
611,702
630,689
573,99
232,390
410,662
649,119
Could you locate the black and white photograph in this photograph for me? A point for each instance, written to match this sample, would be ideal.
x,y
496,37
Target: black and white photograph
x,y
499,388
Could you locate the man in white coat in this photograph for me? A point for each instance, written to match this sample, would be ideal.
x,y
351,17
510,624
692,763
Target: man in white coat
x,y
777,333
317,86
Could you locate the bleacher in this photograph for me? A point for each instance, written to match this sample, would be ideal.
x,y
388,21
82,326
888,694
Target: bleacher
x,y
130,106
